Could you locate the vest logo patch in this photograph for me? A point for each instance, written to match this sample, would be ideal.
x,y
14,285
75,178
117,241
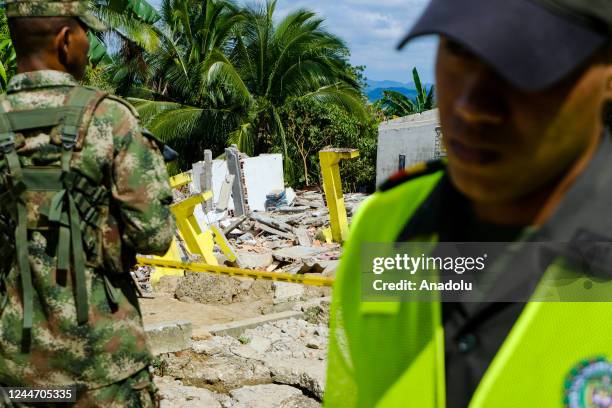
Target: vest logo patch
x,y
589,385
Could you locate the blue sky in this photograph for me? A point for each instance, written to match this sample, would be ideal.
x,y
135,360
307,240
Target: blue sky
x,y
372,29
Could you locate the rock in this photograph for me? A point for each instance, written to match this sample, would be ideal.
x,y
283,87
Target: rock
x,y
300,401
169,337
300,372
177,395
214,289
216,345
167,284
260,344
219,372
251,260
313,345
263,396
287,292
207,288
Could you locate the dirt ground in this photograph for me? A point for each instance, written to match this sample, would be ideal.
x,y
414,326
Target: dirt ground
x,y
165,308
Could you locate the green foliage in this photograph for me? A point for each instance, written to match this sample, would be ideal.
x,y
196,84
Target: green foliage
x,y
8,59
188,91
98,77
312,125
395,104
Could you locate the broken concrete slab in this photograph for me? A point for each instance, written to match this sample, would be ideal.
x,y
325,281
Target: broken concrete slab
x,y
289,209
287,292
273,231
238,190
300,372
252,260
225,193
218,372
175,394
302,236
234,225
297,253
169,337
272,222
263,396
235,329
300,401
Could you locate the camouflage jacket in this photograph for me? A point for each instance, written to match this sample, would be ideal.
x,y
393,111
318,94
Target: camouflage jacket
x,y
111,345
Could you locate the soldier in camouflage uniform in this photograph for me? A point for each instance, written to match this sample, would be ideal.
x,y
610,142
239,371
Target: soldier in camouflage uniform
x,y
105,355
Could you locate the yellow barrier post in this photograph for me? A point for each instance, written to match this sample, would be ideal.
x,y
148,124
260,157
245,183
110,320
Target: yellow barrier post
x,y
198,242
180,180
332,185
173,254
223,244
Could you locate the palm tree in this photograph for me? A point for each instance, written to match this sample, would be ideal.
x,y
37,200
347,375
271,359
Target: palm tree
x,y
188,92
131,23
396,104
295,58
225,73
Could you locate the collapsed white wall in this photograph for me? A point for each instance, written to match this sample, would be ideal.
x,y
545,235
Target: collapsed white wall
x,y
262,175
414,137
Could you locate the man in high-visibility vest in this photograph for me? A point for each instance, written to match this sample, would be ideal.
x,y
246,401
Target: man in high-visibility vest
x,y
523,87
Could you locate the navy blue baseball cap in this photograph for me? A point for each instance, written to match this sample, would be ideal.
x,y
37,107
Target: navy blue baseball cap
x,y
533,44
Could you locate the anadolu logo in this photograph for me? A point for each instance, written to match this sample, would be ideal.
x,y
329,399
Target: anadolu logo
x,y
589,385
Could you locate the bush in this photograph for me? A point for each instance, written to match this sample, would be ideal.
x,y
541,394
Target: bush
x,y
311,126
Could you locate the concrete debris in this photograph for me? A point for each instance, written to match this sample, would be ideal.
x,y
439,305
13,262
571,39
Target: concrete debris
x,y
273,231
278,363
169,337
259,396
274,355
177,395
303,373
302,236
252,260
297,253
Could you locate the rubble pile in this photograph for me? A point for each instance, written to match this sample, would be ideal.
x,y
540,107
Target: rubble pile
x,y
257,224
279,364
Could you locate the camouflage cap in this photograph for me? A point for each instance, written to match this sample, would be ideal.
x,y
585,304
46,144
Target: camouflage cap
x,y
57,8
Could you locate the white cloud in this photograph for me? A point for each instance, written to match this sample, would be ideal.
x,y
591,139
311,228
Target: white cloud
x,y
372,30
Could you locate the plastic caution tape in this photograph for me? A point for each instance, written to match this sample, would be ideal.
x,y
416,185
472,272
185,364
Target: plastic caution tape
x,y
230,271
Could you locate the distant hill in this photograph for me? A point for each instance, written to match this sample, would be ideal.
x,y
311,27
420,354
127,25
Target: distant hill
x,y
376,94
374,89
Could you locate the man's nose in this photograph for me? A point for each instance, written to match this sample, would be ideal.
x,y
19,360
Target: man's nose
x,y
481,99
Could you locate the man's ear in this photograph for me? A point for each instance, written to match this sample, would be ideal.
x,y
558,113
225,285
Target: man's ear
x,y
63,40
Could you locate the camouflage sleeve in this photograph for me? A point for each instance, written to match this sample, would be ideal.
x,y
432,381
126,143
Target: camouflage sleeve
x,y
140,187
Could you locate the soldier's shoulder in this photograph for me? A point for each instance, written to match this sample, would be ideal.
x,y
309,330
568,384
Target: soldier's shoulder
x,y
418,171
117,100
115,109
